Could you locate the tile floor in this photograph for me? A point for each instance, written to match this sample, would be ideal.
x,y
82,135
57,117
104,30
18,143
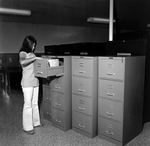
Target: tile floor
x,y
11,133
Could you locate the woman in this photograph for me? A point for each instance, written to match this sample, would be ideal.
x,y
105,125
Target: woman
x,y
30,85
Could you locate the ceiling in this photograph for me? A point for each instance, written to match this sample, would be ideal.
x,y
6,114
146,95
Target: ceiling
x,y
129,14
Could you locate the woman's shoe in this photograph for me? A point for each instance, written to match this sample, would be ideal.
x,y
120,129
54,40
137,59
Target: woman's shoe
x,y
39,125
31,132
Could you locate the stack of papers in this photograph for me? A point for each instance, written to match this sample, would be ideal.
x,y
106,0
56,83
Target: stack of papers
x,y
53,62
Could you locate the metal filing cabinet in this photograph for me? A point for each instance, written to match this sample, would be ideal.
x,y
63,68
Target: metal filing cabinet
x,y
120,98
60,90
61,97
46,99
84,95
43,70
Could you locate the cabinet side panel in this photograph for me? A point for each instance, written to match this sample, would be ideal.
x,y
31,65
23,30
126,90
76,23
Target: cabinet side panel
x,y
133,97
95,96
68,95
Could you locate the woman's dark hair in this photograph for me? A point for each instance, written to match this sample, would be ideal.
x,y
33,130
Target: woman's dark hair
x,y
27,44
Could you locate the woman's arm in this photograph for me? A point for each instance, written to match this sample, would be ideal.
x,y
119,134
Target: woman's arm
x,y
26,61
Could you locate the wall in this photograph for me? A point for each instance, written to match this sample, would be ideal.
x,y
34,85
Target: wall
x,y
12,35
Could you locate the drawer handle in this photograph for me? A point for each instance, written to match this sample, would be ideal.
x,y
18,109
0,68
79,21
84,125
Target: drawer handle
x,y
39,72
109,114
82,109
82,126
110,74
48,99
59,121
57,104
109,133
80,71
80,90
56,87
110,94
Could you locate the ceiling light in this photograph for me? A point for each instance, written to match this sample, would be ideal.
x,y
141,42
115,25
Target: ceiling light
x,y
98,20
15,11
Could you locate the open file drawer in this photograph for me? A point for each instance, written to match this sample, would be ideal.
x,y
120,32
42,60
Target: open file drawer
x,y
42,69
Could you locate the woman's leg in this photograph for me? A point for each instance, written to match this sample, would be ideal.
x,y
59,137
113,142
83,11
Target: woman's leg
x,y
27,109
36,116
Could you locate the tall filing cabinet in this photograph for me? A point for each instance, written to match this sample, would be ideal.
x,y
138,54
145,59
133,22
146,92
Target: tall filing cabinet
x,y
57,95
46,99
120,98
61,101
84,95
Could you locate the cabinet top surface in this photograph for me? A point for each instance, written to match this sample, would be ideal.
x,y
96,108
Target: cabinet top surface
x,y
120,57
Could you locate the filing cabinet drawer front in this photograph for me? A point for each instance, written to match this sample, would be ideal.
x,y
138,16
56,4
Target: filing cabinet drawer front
x,y
58,100
46,93
58,84
111,68
41,69
110,109
82,67
82,104
47,108
82,86
82,122
111,89
110,129
39,72
58,117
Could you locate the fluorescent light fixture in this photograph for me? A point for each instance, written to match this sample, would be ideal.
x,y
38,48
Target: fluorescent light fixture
x,y
15,11
98,20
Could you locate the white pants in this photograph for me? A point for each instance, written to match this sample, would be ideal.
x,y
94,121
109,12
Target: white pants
x,y
31,116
